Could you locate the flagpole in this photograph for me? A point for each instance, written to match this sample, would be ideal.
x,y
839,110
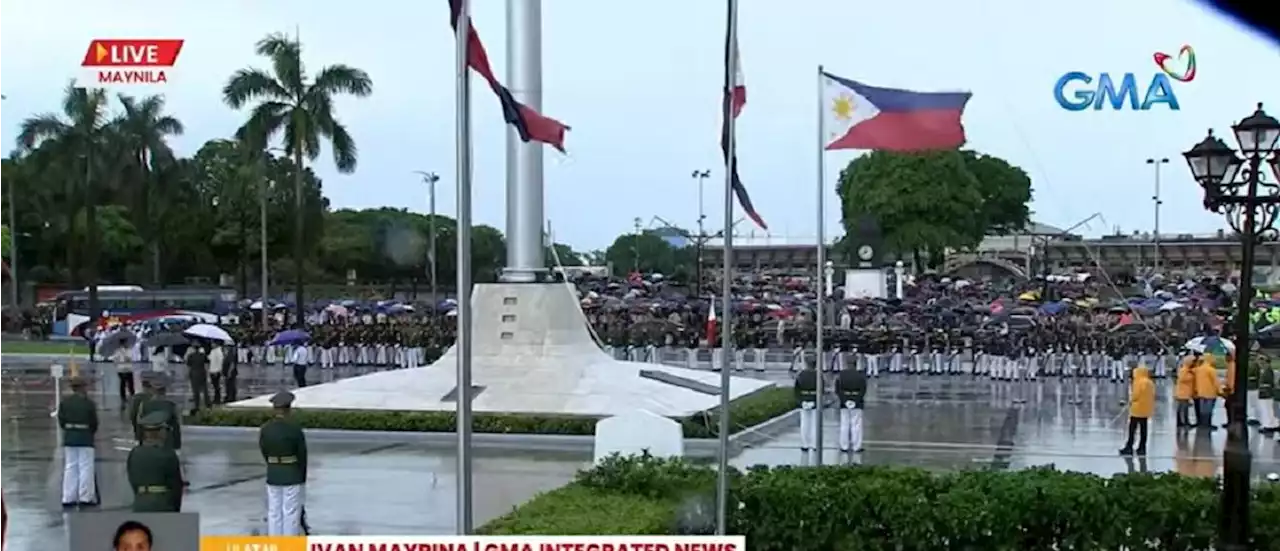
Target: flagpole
x,y
726,334
822,262
463,342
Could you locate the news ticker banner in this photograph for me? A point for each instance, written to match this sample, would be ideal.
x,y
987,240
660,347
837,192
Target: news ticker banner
x,y
474,543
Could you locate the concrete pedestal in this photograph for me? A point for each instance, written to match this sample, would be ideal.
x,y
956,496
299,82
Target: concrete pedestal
x,y
533,354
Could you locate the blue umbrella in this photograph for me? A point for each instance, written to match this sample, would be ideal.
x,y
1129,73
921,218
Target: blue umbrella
x,y
292,336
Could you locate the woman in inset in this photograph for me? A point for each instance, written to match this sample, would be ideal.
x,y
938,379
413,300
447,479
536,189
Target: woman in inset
x,y
132,536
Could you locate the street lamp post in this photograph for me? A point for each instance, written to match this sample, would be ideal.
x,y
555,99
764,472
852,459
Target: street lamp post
x,y
1235,187
635,244
1155,199
700,176
430,178
262,227
13,246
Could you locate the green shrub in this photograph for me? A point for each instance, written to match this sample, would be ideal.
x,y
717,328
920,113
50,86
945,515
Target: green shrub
x,y
855,508
744,412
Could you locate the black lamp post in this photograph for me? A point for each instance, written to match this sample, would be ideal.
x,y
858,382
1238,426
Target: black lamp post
x,y
1236,187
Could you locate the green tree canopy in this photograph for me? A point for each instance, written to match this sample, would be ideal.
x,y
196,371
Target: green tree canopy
x,y
653,252
928,202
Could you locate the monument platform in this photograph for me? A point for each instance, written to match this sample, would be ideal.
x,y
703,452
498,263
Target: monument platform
x,y
532,354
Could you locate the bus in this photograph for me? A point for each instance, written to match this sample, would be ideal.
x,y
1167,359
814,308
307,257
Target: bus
x,y
128,304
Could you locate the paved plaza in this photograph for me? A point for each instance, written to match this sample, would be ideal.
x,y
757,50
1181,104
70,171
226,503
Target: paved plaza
x,y
390,487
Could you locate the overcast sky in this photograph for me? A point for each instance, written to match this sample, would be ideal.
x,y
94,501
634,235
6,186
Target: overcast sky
x,y
639,83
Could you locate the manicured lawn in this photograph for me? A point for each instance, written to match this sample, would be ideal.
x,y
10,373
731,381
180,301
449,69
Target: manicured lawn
x,y
42,347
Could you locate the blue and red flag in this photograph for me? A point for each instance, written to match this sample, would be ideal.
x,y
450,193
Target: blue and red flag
x,y
859,116
530,124
735,98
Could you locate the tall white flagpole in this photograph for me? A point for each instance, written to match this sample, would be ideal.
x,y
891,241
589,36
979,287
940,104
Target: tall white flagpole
x,y
463,341
822,262
726,333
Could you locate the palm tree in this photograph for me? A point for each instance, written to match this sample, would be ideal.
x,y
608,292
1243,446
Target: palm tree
x,y
145,129
79,133
290,103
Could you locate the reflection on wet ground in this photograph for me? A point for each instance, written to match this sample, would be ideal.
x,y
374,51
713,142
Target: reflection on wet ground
x,y
398,488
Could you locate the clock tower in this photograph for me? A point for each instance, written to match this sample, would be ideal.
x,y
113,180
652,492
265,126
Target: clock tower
x,y
865,242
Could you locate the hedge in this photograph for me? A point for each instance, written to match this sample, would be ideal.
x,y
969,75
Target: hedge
x,y
747,411
858,508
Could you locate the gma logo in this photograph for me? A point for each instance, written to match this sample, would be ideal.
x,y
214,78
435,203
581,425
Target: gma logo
x,y
1076,91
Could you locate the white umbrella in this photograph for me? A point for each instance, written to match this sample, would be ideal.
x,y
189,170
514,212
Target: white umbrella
x,y
211,332
336,309
256,305
1195,345
1169,306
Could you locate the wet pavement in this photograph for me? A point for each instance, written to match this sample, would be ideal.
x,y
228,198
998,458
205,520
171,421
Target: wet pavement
x,y
944,423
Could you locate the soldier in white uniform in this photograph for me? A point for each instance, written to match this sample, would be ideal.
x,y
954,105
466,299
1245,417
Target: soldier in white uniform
x,y
807,396
851,388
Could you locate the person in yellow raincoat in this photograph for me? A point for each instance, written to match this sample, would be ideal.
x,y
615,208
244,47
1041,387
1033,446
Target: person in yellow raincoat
x,y
1142,405
1207,390
1229,384
1184,392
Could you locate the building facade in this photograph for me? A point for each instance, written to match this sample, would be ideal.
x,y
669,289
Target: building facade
x,y
1040,248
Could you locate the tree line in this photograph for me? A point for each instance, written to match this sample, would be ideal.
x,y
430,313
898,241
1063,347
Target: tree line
x,y
100,196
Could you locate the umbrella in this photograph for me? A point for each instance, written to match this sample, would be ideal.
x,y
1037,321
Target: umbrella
x,y
115,340
1218,346
1211,344
165,338
211,332
1169,306
336,309
292,336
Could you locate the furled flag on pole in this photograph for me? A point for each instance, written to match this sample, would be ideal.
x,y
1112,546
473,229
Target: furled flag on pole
x,y
735,98
530,124
711,326
886,119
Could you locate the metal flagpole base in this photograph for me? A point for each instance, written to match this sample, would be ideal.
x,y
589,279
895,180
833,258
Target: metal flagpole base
x,y
522,275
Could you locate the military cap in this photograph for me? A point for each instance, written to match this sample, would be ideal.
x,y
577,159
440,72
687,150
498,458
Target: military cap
x,y
147,377
154,420
77,382
159,380
282,399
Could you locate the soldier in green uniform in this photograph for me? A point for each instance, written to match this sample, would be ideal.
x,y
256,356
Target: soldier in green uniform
x,y
160,402
134,411
806,386
284,448
851,387
1266,398
155,473
78,419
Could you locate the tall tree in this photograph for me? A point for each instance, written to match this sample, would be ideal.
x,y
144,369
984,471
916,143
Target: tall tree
x,y
145,130
1006,192
300,108
80,133
929,202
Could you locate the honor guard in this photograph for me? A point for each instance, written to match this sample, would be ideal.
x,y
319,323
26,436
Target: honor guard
x,y
78,419
851,387
155,474
807,401
284,448
160,402
134,411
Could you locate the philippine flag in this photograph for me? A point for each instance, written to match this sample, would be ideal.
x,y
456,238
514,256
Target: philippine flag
x,y
858,116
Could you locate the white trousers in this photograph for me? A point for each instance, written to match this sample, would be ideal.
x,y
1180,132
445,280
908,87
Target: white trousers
x,y
284,510
1267,413
851,429
808,425
1251,405
77,475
